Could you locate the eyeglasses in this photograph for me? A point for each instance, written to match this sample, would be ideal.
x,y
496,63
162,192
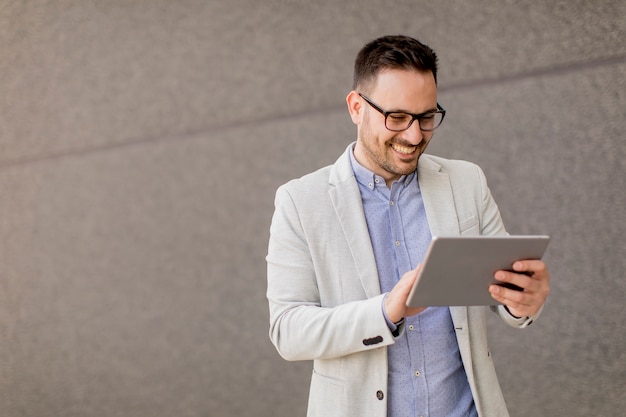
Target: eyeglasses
x,y
397,121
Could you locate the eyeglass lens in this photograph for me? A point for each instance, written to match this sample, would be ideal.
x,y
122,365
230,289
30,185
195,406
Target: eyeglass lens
x,y
402,121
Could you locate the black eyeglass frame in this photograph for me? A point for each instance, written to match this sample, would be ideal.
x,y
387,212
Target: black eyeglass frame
x,y
414,117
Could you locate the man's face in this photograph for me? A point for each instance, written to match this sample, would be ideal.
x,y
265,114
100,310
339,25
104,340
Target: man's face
x,y
386,153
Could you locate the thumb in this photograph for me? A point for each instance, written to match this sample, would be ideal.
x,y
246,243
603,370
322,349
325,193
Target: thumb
x,y
409,278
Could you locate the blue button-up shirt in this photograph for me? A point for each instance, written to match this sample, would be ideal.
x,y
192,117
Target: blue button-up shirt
x,y
426,375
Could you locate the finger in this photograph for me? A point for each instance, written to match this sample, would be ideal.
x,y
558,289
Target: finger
x,y
518,309
395,301
508,296
534,278
408,280
520,304
531,267
515,281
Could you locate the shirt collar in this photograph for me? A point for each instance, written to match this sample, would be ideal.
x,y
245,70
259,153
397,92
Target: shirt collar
x,y
370,180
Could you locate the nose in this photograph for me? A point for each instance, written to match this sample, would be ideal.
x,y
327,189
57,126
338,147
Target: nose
x,y
413,134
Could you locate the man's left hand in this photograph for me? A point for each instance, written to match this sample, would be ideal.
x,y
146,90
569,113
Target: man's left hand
x,y
533,278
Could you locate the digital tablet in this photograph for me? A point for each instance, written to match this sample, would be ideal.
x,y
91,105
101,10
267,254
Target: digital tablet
x,y
457,271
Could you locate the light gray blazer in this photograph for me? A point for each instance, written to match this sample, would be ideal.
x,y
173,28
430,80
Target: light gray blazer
x,y
324,293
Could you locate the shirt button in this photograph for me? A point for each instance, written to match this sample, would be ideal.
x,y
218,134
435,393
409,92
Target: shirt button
x,y
411,327
397,243
391,203
417,373
377,181
380,395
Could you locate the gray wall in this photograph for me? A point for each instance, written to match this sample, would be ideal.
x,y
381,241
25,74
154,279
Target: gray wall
x,y
141,143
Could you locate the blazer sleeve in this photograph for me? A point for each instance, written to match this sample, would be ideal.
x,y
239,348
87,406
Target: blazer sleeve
x,y
302,327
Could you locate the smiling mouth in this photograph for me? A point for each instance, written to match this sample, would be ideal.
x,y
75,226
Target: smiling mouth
x,y
405,150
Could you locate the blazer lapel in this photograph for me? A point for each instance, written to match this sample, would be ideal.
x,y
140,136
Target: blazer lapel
x,y
438,198
346,199
461,328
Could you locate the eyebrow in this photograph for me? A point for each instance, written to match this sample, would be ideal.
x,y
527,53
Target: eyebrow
x,y
431,110
380,109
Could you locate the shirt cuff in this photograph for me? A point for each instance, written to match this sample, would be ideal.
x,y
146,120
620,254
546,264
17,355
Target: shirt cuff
x,y
519,322
396,328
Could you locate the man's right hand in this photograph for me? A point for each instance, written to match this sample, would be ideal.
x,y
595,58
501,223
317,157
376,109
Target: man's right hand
x,y
395,302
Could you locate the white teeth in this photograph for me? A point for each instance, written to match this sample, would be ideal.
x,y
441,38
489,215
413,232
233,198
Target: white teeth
x,y
403,149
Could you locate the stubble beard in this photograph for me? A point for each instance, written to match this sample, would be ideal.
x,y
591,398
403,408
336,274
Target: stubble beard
x,y
384,156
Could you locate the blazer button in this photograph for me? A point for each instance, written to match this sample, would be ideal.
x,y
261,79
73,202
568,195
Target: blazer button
x,y
372,341
380,395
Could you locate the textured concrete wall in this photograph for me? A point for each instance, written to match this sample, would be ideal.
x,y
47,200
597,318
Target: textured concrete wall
x,y
141,143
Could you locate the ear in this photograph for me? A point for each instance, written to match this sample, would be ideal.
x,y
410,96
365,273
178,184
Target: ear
x,y
355,107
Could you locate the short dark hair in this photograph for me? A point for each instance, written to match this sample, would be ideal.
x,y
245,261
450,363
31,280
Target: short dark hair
x,y
392,52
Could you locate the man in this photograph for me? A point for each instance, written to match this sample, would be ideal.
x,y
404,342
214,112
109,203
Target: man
x,y
345,247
